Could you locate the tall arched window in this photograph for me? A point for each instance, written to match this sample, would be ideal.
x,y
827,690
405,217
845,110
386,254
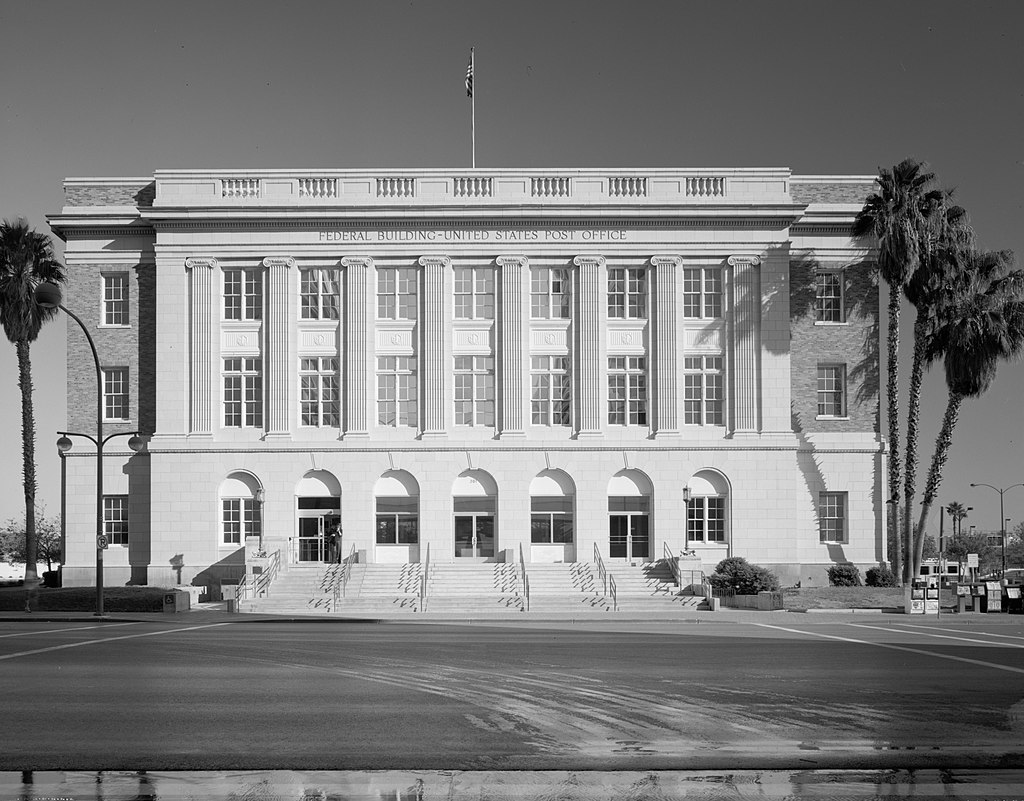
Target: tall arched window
x,y
475,501
629,509
397,496
241,512
706,512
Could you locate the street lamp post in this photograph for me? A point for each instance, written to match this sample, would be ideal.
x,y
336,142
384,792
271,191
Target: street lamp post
x,y
49,297
1002,517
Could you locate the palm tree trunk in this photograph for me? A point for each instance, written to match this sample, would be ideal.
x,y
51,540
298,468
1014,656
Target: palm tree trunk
x,y
892,398
28,450
931,488
913,418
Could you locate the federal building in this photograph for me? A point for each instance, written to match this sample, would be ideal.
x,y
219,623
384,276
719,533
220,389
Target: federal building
x,y
538,366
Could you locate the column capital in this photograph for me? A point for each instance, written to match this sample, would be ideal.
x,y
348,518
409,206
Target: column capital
x,y
744,261
588,261
434,261
666,261
512,261
358,261
279,261
200,261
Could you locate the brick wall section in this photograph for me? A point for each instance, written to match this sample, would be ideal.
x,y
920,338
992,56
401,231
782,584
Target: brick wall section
x,y
854,344
141,194
830,193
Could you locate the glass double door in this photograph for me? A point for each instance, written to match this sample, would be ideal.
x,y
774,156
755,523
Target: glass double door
x,y
474,528
628,536
315,543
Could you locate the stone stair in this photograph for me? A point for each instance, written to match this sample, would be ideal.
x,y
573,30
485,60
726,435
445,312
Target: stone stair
x,y
571,587
474,590
375,589
299,590
649,587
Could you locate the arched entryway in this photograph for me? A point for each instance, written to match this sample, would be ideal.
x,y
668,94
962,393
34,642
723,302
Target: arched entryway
x,y
475,504
318,534
629,510
397,506
552,517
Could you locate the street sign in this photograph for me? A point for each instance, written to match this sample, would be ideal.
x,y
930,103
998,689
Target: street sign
x,y
972,560
101,542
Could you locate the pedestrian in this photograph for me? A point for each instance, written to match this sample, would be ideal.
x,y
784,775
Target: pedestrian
x,y
336,543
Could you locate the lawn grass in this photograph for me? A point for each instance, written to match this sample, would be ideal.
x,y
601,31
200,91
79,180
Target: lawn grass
x,y
83,599
800,598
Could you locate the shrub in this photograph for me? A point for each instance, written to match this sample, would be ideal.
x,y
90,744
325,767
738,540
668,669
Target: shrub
x,y
880,576
844,576
737,574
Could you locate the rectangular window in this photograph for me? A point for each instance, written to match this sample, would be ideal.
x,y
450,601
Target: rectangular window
x,y
550,294
397,521
243,294
243,393
828,297
705,519
831,390
318,393
551,520
397,403
702,293
474,293
832,516
550,391
115,519
474,391
115,393
703,393
627,390
115,299
240,517
318,294
627,293
396,293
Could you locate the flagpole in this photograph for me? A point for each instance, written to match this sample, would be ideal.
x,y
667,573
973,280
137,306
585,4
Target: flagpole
x,y
472,66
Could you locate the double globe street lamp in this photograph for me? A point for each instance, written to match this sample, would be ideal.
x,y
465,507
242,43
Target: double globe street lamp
x,y
49,297
1002,516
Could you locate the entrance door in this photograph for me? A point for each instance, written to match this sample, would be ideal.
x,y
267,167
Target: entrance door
x,y
311,539
317,519
474,528
628,532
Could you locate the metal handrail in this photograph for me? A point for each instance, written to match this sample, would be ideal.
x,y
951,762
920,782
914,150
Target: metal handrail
x,y
261,583
612,590
673,564
423,581
341,585
242,588
524,579
601,572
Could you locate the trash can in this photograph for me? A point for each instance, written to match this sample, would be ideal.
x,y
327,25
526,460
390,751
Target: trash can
x,y
176,601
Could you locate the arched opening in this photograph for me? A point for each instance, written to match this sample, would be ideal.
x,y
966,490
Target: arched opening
x,y
318,518
241,510
629,511
552,517
475,502
397,501
707,521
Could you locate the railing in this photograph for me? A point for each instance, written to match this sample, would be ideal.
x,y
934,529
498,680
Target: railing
x,y
607,579
673,563
240,187
627,187
524,580
260,584
613,591
705,187
550,187
341,586
473,187
318,187
423,581
396,187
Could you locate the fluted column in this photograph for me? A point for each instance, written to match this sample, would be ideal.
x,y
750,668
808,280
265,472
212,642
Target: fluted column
x,y
434,359
277,370
200,336
510,345
590,349
666,346
746,346
358,348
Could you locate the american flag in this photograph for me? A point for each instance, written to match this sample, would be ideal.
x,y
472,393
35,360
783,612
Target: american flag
x,y
469,77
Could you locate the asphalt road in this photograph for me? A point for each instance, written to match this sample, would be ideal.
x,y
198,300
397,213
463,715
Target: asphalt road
x,y
193,695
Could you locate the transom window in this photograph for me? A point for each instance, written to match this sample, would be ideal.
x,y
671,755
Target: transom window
x,y
474,293
705,519
318,294
396,293
627,293
703,397
832,516
550,390
243,294
828,297
240,517
831,390
115,299
474,391
702,293
550,293
396,391
115,519
319,396
627,390
551,520
115,393
243,393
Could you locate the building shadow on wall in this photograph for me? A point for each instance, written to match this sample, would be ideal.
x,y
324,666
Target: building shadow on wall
x,y
228,570
140,540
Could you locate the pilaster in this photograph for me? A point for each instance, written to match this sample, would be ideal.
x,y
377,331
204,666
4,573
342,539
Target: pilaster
x,y
510,347
277,366
358,348
666,346
746,346
201,272
590,346
434,351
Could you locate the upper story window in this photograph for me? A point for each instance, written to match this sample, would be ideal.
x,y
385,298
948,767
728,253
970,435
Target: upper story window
x,y
319,399
702,293
831,390
828,297
474,391
115,519
115,393
627,293
550,293
115,299
396,293
474,293
627,391
243,393
243,294
550,390
703,396
832,516
318,294
397,398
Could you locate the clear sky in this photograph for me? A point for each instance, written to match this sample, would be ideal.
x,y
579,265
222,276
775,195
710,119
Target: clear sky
x,y
125,88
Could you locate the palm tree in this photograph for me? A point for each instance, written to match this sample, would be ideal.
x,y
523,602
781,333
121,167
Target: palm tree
x,y
26,260
895,217
981,322
957,512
